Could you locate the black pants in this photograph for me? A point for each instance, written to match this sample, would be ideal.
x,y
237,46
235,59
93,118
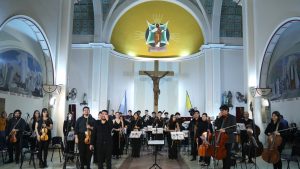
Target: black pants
x,y
136,147
85,154
11,147
172,145
43,147
194,151
104,152
227,159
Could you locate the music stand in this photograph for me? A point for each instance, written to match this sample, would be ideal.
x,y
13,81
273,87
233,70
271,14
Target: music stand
x,y
135,134
156,143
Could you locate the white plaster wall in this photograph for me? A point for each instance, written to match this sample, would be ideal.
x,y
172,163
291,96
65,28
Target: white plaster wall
x,y
191,79
265,24
44,12
232,73
79,76
13,102
120,79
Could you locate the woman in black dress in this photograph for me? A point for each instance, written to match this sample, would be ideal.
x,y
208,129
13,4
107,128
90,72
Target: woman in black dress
x,y
68,128
118,136
173,126
135,125
273,127
33,141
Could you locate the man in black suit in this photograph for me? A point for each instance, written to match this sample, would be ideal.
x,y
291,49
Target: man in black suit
x,y
226,123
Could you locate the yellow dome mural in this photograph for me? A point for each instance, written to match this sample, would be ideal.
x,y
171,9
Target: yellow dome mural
x,y
157,29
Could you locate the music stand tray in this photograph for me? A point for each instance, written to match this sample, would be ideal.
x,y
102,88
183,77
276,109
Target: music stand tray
x,y
177,135
156,143
135,134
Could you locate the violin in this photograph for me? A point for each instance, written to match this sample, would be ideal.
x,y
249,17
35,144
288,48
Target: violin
x,y
13,138
44,136
13,133
88,133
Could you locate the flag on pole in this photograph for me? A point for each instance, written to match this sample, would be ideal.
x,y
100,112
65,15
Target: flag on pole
x,y
188,103
123,105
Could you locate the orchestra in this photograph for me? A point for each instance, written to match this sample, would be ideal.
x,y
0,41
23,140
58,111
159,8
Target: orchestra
x,y
107,137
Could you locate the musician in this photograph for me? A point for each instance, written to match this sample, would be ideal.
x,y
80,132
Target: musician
x,y
146,119
102,140
3,123
204,126
172,126
82,125
68,130
166,118
179,120
14,129
33,140
273,127
225,120
159,123
194,133
118,137
43,128
136,125
244,137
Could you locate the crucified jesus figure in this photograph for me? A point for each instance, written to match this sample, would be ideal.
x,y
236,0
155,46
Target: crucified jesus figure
x,y
156,89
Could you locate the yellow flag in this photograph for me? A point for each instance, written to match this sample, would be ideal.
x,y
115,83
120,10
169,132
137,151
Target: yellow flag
x,y
188,103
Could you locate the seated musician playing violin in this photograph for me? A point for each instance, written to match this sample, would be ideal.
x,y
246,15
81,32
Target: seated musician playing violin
x,y
14,129
274,128
228,121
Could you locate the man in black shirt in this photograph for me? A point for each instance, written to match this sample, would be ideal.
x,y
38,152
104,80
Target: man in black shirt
x,y
102,139
244,136
14,129
83,126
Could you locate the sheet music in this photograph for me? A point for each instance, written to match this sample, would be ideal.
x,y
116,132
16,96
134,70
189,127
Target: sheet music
x,y
240,126
157,130
156,142
135,134
185,133
177,135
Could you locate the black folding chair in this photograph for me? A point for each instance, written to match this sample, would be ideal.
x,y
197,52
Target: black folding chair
x,y
57,144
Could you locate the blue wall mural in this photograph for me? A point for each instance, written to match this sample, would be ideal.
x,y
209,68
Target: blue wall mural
x,y
283,77
20,73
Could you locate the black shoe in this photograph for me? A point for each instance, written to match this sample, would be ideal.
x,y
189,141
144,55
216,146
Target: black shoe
x,y
193,159
9,161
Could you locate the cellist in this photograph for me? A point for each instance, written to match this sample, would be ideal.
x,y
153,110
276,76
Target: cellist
x,y
225,120
205,126
272,128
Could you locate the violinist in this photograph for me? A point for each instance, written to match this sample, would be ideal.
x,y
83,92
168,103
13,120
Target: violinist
x,y
228,121
136,125
102,140
244,136
14,129
83,124
3,123
272,129
205,126
194,133
172,126
43,129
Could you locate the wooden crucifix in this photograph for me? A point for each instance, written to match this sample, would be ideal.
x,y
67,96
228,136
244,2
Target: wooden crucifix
x,y
155,76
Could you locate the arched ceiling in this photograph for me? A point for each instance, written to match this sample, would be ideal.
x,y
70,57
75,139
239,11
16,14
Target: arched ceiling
x,y
129,33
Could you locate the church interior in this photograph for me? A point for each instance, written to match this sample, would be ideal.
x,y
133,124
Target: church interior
x,y
164,56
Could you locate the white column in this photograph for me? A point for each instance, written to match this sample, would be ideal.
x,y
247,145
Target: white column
x,y
257,116
61,65
212,78
100,68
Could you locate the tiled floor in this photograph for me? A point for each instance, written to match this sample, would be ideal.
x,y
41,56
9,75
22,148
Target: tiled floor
x,y
147,159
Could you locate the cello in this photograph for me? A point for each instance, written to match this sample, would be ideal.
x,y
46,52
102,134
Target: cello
x,y
219,151
203,148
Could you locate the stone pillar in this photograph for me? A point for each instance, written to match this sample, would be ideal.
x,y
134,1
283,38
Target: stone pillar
x,y
257,116
61,65
212,78
99,84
